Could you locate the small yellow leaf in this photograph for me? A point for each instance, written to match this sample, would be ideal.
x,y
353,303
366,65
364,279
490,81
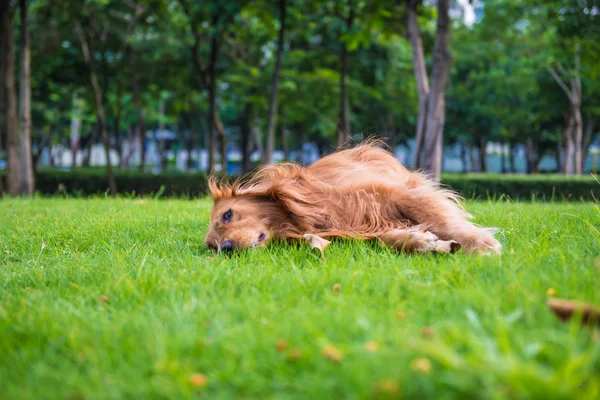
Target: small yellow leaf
x,y
387,388
422,365
550,292
317,242
198,380
427,332
281,345
372,346
333,354
294,355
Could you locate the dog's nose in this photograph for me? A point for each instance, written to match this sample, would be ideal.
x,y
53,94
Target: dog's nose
x,y
227,245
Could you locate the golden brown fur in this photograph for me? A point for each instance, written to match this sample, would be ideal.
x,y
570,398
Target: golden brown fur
x,y
363,192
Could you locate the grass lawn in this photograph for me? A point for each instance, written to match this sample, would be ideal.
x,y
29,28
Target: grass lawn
x,y
108,299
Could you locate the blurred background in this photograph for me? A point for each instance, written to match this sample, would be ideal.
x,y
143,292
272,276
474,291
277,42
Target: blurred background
x,y
101,95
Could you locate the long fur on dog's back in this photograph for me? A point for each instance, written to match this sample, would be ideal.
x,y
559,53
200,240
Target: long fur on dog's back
x,y
353,193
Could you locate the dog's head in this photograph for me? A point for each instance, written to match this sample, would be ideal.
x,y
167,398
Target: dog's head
x,y
239,222
272,204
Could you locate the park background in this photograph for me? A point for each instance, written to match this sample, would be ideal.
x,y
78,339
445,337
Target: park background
x,y
460,86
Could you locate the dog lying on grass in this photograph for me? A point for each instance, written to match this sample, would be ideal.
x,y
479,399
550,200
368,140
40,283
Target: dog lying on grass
x,y
363,193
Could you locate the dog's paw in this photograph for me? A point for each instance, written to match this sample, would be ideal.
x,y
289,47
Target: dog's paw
x,y
435,244
447,246
485,244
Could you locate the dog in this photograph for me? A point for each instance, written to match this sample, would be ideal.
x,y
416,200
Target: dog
x,y
362,192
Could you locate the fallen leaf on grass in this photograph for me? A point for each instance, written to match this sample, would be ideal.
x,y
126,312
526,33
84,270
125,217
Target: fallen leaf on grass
x,y
401,314
198,380
371,346
427,332
422,365
387,388
317,242
565,309
550,292
333,354
103,298
337,287
294,355
281,345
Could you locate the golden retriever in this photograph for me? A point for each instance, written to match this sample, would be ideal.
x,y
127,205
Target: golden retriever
x,y
363,192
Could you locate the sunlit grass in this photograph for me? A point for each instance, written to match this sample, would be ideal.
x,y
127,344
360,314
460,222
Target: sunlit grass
x,y
118,298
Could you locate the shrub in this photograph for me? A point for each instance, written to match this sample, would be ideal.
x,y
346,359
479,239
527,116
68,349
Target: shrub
x,y
85,182
525,187
93,182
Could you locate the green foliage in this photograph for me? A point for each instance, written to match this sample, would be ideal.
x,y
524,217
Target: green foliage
x,y
119,299
86,182
524,187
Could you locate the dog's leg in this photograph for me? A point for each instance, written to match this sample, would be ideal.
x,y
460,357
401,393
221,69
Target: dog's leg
x,y
409,240
439,211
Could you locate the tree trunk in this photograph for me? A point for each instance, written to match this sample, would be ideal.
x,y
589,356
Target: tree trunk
x,y
578,139
482,156
532,156
436,107
511,157
88,146
474,165
503,158
137,99
192,141
587,138
162,147
270,142
247,122
89,59
343,131
75,128
574,131
117,128
463,157
12,140
3,8
132,137
421,78
569,146
26,182
283,137
212,103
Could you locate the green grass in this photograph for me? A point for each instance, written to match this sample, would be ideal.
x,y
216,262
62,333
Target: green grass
x,y
173,309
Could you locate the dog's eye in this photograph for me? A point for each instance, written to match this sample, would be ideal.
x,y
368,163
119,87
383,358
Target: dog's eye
x,y
227,216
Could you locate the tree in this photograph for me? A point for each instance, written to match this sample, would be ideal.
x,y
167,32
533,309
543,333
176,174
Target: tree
x,y
436,102
270,142
88,54
220,16
343,130
574,125
26,182
10,97
420,77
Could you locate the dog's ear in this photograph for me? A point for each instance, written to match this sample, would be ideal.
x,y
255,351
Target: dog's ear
x,y
218,190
